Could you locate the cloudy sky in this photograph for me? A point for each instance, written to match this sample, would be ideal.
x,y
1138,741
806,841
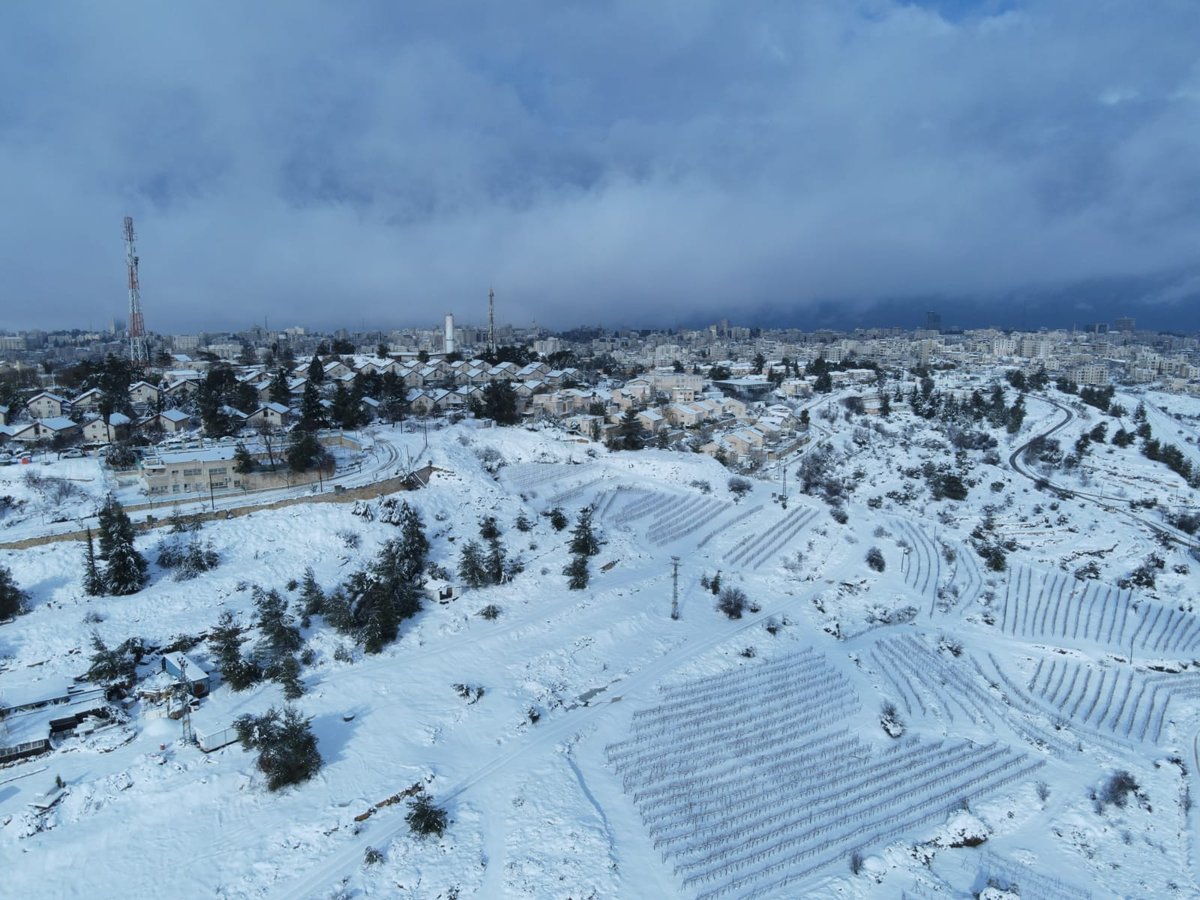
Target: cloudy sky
x,y
640,163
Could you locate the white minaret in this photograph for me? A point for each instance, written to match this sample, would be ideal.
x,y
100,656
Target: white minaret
x,y
449,336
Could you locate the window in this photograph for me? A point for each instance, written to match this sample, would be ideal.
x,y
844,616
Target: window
x,y
220,471
187,472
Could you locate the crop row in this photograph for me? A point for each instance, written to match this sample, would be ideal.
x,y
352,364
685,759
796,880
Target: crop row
x,y
756,549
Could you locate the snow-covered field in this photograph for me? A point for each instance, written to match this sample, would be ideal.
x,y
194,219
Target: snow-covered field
x,y
698,756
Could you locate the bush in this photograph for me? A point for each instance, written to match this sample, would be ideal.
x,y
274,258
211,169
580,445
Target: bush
x,y
373,856
732,601
425,817
558,519
1118,788
490,612
875,559
839,515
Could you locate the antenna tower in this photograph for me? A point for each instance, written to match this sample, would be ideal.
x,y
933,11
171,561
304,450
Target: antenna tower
x,y
139,354
491,320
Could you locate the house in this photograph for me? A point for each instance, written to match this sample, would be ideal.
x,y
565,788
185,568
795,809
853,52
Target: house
x,y
173,421
420,402
182,666
270,415
55,428
189,471
143,393
183,388
89,399
48,406
683,415
99,431
652,420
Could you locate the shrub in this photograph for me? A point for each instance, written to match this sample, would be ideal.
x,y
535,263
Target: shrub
x,y
558,519
839,514
425,817
739,487
373,856
875,559
1118,788
732,601
490,612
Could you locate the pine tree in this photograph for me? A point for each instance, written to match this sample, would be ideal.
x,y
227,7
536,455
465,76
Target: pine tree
x,y
287,748
304,451
413,543
243,460
287,673
577,572
118,664
280,636
630,431
278,391
316,371
583,541
93,583
488,529
471,568
312,413
312,599
12,598
336,611
495,562
226,640
126,572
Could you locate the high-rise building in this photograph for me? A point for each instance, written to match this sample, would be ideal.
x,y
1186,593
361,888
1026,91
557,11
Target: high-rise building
x,y
933,321
1124,323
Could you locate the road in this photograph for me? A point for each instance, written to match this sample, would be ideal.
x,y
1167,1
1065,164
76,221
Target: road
x,y
1115,505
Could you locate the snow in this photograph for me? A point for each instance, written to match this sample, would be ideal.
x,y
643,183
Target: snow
x,y
540,808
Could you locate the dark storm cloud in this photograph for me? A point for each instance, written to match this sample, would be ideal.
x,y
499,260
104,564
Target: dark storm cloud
x,y
345,163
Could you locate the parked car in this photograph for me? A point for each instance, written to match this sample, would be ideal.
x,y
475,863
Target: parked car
x,y
73,453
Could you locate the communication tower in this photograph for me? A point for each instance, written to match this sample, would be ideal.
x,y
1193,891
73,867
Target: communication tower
x,y
139,354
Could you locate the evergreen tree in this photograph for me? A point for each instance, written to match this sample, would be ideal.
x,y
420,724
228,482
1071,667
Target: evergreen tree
x,y
316,371
414,545
287,673
278,390
629,431
380,598
243,460
471,568
287,748
312,599
115,665
496,568
93,582
488,529
558,519
583,540
280,636
304,451
500,402
226,640
12,599
336,611
312,413
126,571
577,572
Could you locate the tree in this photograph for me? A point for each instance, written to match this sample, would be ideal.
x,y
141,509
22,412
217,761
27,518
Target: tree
x,y
739,487
425,817
279,392
471,568
500,402
577,572
381,597
583,539
629,431
312,599
488,529
13,600
558,519
287,673
116,665
243,460
126,570
304,451
280,636
93,582
226,639
312,413
759,362
316,371
287,748
732,601
875,559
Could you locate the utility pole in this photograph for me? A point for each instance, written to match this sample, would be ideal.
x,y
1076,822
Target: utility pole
x,y
491,320
674,587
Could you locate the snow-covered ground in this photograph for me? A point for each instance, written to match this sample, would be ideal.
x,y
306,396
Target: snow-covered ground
x,y
698,756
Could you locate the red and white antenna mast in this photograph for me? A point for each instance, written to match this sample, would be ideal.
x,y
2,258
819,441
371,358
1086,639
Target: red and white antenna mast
x,y
139,353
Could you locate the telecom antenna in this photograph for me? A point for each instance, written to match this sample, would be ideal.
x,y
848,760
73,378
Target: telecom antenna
x,y
139,355
491,320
